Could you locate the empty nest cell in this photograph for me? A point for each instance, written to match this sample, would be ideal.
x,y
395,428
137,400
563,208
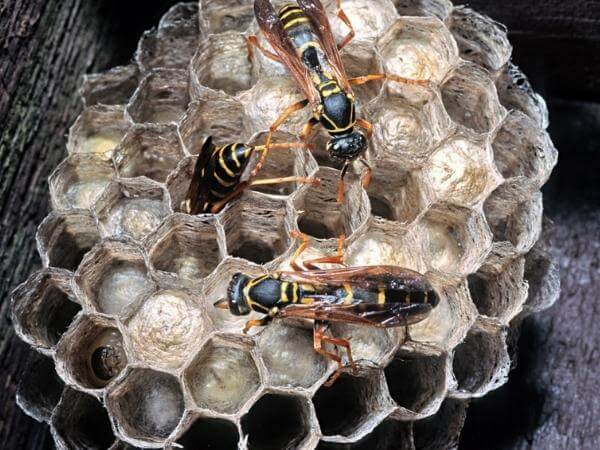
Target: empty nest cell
x,y
436,8
321,216
480,39
481,362
113,87
152,151
64,238
147,405
389,435
222,378
350,405
162,97
470,98
80,421
221,63
187,247
174,42
216,434
44,307
442,430
79,180
276,421
255,228
98,130
39,388
112,276
226,15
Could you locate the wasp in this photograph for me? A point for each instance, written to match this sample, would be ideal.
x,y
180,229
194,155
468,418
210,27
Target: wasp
x,y
301,36
216,179
375,296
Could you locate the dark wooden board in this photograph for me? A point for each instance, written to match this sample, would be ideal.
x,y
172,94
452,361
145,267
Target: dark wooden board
x,y
47,45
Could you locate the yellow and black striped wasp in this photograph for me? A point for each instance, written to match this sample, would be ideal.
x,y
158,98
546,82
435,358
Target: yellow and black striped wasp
x,y
375,296
217,175
301,36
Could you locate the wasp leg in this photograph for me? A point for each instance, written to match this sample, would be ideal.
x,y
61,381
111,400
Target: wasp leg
x,y
366,179
341,184
252,41
383,76
307,130
256,323
337,259
362,123
344,18
281,119
319,329
301,248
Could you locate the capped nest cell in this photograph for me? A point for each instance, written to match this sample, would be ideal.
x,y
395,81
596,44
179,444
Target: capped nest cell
x,y
131,350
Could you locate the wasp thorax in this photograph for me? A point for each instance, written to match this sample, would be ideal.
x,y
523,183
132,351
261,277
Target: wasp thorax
x,y
347,146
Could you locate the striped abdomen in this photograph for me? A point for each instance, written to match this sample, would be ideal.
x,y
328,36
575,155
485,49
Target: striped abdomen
x,y
227,164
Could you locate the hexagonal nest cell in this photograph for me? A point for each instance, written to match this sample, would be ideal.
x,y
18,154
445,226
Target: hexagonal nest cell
x,y
123,311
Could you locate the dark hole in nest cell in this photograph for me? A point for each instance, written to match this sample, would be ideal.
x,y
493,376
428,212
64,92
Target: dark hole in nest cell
x,y
275,422
479,294
85,424
441,430
389,435
254,250
68,252
58,314
412,381
340,408
313,224
39,386
473,352
380,207
214,434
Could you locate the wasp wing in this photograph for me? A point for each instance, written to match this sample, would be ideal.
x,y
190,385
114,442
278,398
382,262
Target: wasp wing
x,y
387,315
364,277
198,191
272,29
316,12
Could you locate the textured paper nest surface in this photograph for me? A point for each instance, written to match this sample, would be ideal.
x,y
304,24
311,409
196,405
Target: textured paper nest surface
x,y
458,168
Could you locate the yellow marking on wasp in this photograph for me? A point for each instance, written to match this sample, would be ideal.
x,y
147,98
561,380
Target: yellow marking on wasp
x,y
222,182
334,128
307,45
349,294
234,155
295,293
293,23
307,300
426,300
287,7
381,296
289,12
329,92
284,296
217,194
223,165
324,84
308,287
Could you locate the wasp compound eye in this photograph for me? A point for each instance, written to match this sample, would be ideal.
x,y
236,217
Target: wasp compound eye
x,y
238,304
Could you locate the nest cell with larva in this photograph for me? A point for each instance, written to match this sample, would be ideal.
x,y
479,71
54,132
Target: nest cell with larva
x,y
457,172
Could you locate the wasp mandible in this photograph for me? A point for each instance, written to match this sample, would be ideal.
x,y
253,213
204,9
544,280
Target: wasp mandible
x,y
301,36
217,175
375,296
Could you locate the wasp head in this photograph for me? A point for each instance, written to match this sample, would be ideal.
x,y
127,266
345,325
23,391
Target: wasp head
x,y
236,299
347,146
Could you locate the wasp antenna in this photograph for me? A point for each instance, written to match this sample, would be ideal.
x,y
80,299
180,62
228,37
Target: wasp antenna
x,y
221,304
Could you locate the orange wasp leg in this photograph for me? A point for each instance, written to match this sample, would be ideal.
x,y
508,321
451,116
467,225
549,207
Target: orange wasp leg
x,y
319,337
307,129
337,259
281,119
252,41
301,248
366,179
256,323
383,76
344,18
341,185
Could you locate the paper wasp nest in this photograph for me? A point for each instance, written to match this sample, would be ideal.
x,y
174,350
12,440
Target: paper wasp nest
x,y
131,350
